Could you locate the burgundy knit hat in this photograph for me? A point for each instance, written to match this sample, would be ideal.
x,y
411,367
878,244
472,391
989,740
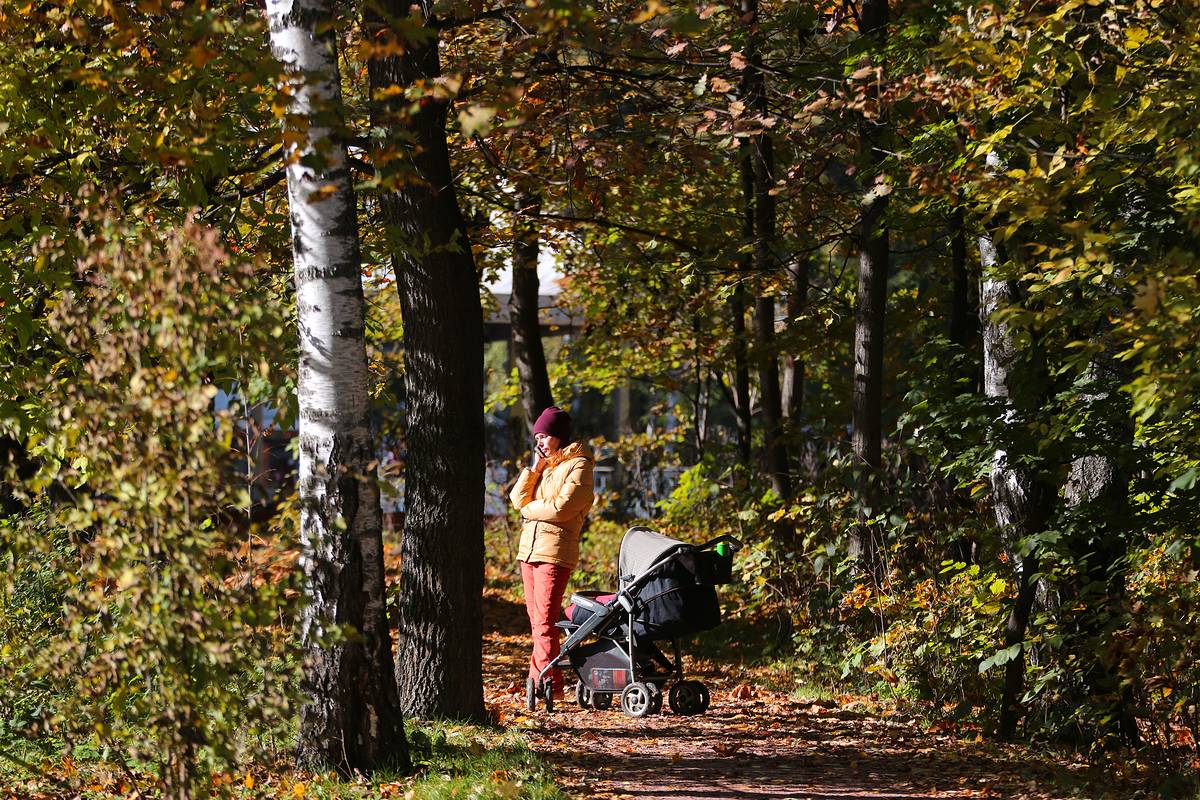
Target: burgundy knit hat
x,y
554,422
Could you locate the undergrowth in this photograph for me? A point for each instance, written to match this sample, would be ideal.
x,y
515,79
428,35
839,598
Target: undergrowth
x,y
451,761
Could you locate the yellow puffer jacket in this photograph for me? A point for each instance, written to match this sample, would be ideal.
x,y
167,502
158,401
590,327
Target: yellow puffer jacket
x,y
553,506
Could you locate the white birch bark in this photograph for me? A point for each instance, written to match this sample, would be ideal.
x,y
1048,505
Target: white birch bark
x,y
1011,487
1022,502
351,716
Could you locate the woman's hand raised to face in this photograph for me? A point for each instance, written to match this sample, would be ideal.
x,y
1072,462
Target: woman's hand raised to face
x,y
544,446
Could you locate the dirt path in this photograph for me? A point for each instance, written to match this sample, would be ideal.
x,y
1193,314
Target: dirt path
x,y
751,744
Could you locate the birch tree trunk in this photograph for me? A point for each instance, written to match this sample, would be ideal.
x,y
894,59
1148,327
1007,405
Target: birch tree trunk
x,y
528,351
351,720
873,258
441,587
1023,500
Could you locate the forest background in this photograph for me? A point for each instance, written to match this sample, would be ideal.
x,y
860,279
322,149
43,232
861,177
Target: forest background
x,y
915,283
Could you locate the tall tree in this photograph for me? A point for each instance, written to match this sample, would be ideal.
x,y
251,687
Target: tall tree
x,y
737,307
871,299
765,253
964,300
527,349
793,381
441,584
1097,493
352,719
1023,498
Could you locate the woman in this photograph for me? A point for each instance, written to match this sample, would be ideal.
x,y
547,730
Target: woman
x,y
554,497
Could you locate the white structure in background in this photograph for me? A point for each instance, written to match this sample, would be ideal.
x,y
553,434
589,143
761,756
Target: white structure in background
x,y
549,275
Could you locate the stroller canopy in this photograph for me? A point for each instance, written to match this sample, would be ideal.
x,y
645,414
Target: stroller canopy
x,y
677,598
641,549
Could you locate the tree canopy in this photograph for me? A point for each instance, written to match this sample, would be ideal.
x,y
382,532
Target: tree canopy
x,y
904,295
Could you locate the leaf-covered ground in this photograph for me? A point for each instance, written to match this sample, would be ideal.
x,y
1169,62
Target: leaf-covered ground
x,y
755,743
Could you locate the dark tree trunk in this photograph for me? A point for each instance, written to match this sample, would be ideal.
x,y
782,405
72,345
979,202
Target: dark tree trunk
x,y
766,262
15,466
772,401
1097,490
737,310
441,585
523,313
741,374
964,303
1024,498
1014,633
964,332
964,300
793,384
867,437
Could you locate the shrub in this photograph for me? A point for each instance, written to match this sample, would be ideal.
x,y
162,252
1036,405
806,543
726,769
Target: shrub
x,y
134,622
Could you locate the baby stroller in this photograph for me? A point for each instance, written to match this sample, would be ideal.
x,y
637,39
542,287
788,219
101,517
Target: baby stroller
x,y
667,590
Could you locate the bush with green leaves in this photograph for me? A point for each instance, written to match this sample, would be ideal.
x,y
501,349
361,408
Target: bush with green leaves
x,y
135,623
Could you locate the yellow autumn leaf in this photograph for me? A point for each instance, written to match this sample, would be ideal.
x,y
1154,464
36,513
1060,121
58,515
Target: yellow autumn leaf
x,y
1062,275
391,90
322,193
476,120
1145,297
199,55
1135,37
653,9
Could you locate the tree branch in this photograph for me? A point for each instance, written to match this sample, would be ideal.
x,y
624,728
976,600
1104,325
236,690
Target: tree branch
x,y
504,13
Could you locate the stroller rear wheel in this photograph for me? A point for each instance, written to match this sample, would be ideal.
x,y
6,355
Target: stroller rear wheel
x,y
689,697
601,700
637,700
548,692
530,694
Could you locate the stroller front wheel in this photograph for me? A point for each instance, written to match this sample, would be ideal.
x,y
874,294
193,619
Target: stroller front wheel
x,y
583,696
637,700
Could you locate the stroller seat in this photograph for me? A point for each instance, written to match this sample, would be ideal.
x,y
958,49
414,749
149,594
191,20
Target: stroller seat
x,y
583,605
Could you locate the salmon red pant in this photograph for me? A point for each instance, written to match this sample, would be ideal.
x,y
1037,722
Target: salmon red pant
x,y
545,585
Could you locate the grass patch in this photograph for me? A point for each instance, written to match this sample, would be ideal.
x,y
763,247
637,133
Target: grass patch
x,y
459,761
452,762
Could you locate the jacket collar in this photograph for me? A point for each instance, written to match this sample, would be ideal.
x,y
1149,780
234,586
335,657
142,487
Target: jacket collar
x,y
573,450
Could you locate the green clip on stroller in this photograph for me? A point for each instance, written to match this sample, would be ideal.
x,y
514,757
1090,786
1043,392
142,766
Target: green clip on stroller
x,y
667,591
